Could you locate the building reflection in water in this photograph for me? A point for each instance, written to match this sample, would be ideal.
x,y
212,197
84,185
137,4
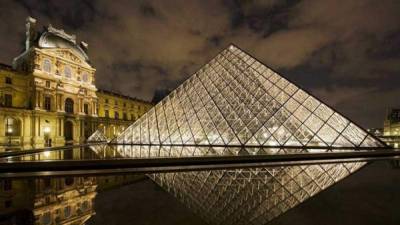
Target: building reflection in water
x,y
45,201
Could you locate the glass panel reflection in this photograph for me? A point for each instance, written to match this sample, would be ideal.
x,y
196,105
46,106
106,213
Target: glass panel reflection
x,y
99,152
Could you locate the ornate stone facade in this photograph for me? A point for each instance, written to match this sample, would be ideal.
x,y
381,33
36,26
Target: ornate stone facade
x,y
48,96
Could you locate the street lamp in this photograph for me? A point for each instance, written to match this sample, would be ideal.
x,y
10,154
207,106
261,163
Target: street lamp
x,y
46,154
9,133
46,131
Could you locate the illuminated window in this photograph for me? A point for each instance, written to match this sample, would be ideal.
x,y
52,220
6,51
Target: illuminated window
x,y
8,100
67,212
46,218
69,105
85,205
46,65
85,77
67,71
86,108
47,103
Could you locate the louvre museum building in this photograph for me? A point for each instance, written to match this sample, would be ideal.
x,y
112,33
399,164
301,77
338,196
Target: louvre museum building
x,y
48,95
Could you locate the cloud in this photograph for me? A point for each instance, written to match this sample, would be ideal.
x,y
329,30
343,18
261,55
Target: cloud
x,y
138,47
281,51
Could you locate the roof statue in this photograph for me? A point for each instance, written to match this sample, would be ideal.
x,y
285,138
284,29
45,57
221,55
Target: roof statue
x,y
61,33
236,105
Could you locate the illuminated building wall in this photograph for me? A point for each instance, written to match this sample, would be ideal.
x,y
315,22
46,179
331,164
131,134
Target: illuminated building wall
x,y
48,96
391,128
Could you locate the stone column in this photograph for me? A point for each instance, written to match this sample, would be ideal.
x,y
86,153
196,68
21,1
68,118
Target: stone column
x,y
37,101
27,131
62,127
62,104
40,99
2,129
80,100
94,108
57,102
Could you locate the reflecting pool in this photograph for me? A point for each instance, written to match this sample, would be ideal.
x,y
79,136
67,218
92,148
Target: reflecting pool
x,y
198,196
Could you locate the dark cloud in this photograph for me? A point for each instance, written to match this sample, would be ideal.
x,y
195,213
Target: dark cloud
x,y
345,52
263,17
148,10
72,14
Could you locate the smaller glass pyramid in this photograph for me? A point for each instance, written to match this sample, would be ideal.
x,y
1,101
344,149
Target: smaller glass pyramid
x,y
98,136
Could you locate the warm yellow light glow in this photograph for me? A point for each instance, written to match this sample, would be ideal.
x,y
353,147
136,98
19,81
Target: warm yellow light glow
x,y
46,130
46,154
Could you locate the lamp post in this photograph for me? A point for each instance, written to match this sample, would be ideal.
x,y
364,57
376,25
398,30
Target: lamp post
x,y
46,131
9,133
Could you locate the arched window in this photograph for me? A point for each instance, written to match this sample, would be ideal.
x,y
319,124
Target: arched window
x,y
85,77
46,65
12,127
86,108
67,211
46,218
67,72
69,105
85,205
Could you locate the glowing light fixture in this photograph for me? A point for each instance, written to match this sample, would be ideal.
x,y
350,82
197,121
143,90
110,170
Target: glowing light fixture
x,y
46,130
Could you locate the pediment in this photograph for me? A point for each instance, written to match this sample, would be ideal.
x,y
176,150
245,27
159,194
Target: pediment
x,y
68,54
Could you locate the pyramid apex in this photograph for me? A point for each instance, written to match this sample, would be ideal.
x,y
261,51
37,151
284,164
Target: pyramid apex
x,y
232,46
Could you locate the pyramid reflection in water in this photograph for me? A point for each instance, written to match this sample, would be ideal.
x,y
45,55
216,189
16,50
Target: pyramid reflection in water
x,y
234,100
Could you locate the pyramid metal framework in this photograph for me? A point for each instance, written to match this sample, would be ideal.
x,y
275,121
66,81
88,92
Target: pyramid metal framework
x,y
236,102
98,136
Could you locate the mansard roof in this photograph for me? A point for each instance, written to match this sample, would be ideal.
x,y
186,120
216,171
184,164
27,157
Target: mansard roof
x,y
54,38
112,93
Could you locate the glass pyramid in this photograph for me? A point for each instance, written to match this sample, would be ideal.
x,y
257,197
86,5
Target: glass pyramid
x,y
231,105
234,100
97,136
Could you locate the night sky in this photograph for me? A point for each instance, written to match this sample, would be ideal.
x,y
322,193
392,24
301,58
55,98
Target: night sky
x,y
345,52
